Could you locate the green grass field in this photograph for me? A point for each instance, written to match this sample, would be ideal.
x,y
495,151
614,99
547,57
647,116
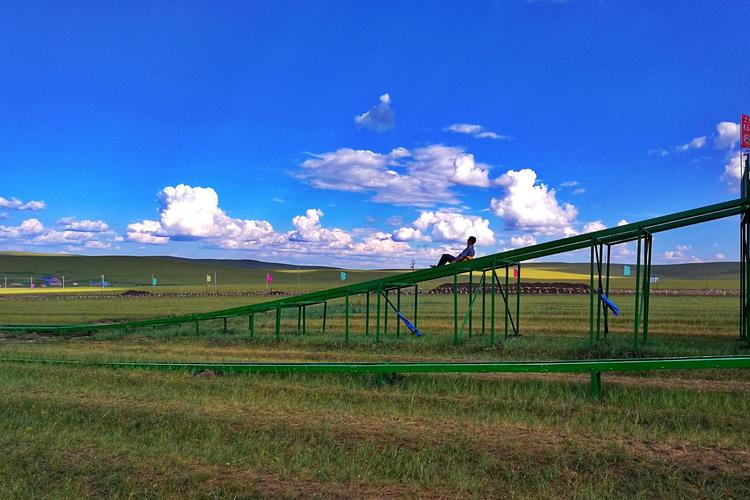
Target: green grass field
x,y
71,432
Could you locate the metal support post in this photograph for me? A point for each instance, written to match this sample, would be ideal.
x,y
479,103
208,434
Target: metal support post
x,y
646,283
745,252
416,300
455,307
518,300
304,320
637,318
367,313
591,296
377,321
506,299
470,295
278,323
398,306
299,319
346,315
599,289
596,385
492,306
385,313
484,299
325,315
606,286
251,325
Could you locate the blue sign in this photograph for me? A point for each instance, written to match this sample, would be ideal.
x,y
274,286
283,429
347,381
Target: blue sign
x,y
626,271
153,281
343,276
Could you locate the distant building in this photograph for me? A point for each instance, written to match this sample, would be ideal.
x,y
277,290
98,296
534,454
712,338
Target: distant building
x,y
50,281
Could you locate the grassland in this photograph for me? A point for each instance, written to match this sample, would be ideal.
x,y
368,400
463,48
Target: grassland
x,y
69,432
176,275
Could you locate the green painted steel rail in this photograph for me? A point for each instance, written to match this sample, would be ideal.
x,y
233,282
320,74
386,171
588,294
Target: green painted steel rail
x,y
594,367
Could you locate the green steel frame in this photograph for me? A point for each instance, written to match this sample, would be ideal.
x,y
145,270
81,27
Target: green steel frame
x,y
641,232
594,367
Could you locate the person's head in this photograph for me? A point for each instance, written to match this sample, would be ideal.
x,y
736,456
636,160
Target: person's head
x,y
471,240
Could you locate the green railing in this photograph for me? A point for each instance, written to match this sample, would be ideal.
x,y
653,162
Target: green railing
x,y
594,367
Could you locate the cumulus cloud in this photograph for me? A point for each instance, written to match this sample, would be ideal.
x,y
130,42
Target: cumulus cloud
x,y
33,232
446,226
193,213
379,118
380,243
422,177
622,222
16,204
475,130
308,229
732,171
523,240
531,206
594,226
90,226
694,144
680,254
728,135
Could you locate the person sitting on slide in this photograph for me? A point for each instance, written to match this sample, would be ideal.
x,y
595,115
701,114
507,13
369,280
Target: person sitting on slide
x,y
467,254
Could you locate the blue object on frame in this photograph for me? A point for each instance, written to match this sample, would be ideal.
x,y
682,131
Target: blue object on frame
x,y
626,271
608,302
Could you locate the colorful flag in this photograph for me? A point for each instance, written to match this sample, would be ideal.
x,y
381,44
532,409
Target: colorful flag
x,y
153,281
515,272
208,278
343,276
745,132
269,278
626,271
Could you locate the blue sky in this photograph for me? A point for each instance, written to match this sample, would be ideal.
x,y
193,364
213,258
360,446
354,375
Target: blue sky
x,y
364,133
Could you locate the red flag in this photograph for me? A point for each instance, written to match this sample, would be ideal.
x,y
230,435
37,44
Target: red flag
x,y
515,272
745,132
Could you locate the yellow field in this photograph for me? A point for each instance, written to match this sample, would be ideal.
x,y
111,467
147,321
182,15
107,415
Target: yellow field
x,y
70,289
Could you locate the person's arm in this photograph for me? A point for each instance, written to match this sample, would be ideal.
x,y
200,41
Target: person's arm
x,y
462,255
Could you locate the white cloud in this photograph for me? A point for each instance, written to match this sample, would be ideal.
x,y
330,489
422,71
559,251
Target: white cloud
x,y
423,177
90,226
728,135
696,143
33,232
193,213
379,118
680,255
16,204
532,207
732,171
524,240
308,229
380,243
410,234
476,130
579,191
594,226
446,226
28,228
623,222
569,184
720,256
